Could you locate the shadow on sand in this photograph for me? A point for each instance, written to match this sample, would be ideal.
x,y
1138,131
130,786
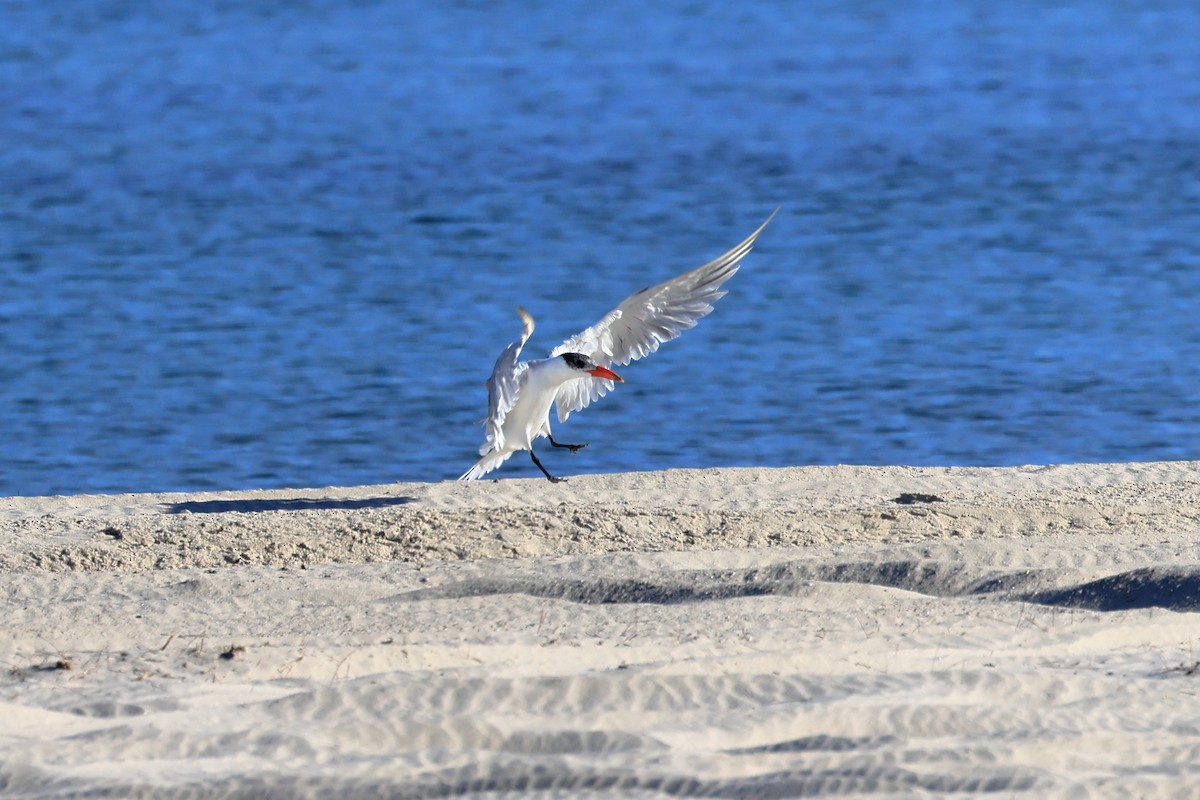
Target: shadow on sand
x,y
284,504
1175,587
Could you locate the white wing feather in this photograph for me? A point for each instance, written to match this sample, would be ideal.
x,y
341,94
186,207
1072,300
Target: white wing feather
x,y
504,385
645,320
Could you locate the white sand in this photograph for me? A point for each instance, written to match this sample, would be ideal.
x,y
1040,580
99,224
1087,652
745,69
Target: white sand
x,y
715,633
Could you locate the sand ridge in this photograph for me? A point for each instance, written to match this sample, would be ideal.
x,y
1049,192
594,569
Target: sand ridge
x,y
674,510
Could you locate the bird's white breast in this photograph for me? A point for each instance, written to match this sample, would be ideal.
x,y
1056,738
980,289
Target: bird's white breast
x,y
531,414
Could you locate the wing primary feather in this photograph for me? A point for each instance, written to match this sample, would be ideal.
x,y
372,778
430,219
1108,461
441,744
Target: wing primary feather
x,y
504,385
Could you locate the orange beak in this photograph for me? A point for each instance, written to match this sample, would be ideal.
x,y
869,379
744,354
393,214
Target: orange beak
x,y
604,372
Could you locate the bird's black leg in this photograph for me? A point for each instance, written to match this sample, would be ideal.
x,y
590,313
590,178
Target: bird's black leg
x,y
574,448
553,479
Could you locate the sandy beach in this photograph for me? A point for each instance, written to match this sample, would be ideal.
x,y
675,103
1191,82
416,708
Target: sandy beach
x,y
821,631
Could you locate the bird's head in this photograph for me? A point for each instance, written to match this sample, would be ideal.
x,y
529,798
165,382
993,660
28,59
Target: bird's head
x,y
582,363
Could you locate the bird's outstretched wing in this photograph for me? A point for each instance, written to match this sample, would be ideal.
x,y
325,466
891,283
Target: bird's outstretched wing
x,y
646,319
503,386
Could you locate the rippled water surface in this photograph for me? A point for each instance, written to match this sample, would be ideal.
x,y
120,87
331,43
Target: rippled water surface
x,y
257,245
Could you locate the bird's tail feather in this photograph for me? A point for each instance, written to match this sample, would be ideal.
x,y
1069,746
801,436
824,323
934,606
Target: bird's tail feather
x,y
486,464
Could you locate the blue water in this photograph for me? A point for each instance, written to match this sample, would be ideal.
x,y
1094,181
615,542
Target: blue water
x,y
251,244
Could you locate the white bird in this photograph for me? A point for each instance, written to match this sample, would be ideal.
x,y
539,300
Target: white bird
x,y
520,393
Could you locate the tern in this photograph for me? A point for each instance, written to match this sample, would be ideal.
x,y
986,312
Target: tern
x,y
577,372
